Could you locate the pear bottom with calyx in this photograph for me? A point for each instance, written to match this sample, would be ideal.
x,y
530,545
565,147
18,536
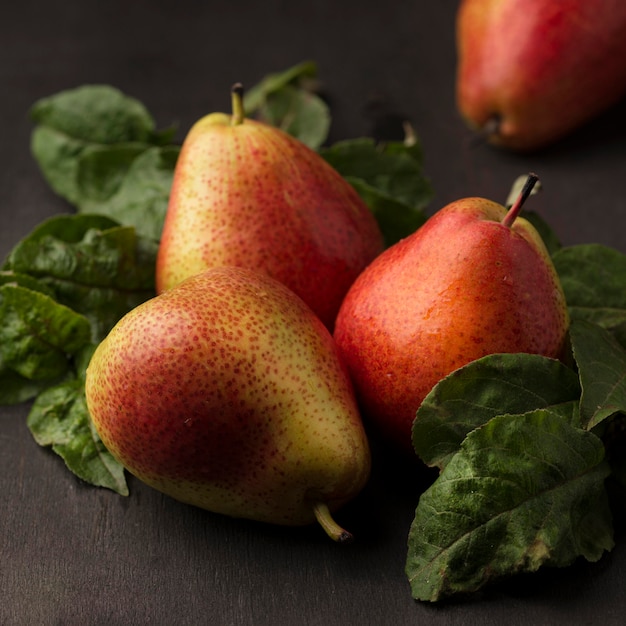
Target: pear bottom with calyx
x,y
530,72
474,280
227,392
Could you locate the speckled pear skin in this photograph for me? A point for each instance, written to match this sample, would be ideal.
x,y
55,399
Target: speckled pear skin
x,y
226,392
459,288
251,195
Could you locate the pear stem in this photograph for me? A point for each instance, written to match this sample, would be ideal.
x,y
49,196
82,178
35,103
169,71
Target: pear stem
x,y
326,521
492,126
487,132
236,94
515,209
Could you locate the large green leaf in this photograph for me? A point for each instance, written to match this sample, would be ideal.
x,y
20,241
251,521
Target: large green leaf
x,y
523,491
86,138
141,194
593,278
495,384
390,180
601,362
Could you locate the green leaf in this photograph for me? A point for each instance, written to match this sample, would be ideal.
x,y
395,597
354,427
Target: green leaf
x,y
96,114
68,228
86,138
57,156
522,492
15,388
593,278
82,359
299,113
9,277
37,334
101,170
288,101
92,265
59,418
394,167
395,219
389,179
493,385
256,96
601,362
142,195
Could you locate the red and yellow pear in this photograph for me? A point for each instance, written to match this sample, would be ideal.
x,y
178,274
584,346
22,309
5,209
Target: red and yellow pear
x,y
248,194
227,392
475,279
531,71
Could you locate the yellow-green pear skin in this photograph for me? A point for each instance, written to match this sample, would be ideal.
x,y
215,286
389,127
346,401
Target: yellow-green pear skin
x,y
227,392
248,194
463,286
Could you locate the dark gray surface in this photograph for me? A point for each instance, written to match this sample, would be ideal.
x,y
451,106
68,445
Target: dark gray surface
x,y
72,554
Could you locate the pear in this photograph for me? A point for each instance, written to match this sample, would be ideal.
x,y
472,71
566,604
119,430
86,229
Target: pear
x,y
227,392
473,280
248,194
531,71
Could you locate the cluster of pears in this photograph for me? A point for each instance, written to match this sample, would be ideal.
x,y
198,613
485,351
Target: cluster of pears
x,y
531,71
229,391
226,390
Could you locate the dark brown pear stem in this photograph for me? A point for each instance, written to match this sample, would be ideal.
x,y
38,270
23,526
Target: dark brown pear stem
x,y
487,132
236,94
515,209
326,521
491,128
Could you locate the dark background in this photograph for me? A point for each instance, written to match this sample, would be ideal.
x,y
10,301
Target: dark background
x,y
73,554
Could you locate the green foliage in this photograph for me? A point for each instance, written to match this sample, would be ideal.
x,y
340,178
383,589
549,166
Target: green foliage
x,y
490,386
518,442
601,363
288,100
297,75
59,418
90,264
522,491
62,288
390,180
593,278
37,333
140,197
87,142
